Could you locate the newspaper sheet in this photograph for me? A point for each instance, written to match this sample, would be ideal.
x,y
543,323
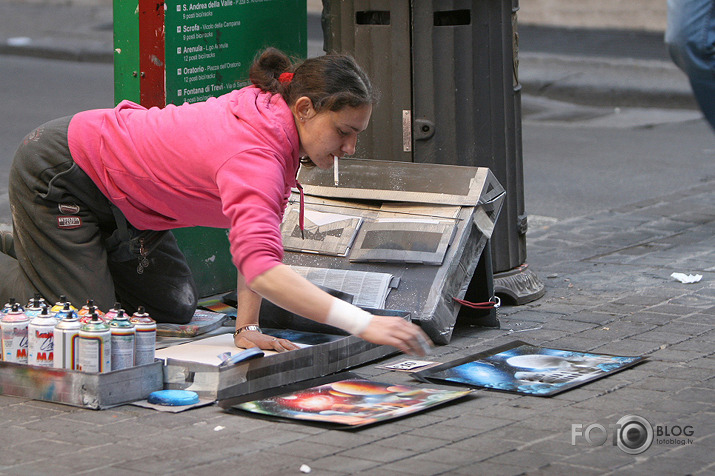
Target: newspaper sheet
x,y
370,289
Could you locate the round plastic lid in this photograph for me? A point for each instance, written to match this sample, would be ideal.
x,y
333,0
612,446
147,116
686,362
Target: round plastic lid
x,y
173,397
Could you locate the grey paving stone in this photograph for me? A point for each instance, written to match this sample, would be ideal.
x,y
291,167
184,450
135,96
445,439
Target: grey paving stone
x,y
412,442
568,326
695,394
18,436
251,464
342,439
687,328
679,408
40,450
705,362
606,457
617,330
669,354
512,412
343,464
448,433
83,460
486,445
525,459
628,347
652,466
452,455
673,309
413,465
660,337
575,342
650,318
307,449
591,317
660,384
378,453
562,468
486,467
617,308
580,394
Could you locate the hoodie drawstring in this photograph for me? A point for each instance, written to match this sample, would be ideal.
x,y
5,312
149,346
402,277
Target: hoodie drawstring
x,y
301,213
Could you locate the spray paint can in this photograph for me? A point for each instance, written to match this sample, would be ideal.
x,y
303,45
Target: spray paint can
x,y
146,336
37,299
124,336
9,305
60,304
86,311
112,313
66,339
34,307
41,339
95,346
13,327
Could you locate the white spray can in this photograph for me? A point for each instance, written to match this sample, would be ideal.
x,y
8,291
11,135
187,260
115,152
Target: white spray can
x,y
13,327
123,341
146,336
41,339
95,346
66,338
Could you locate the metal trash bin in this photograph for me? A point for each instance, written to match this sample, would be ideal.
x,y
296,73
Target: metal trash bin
x,y
447,73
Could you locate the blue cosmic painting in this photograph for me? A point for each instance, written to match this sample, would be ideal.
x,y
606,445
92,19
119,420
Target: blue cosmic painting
x,y
534,370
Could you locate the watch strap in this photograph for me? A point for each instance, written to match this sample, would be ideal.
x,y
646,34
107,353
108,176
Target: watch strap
x,y
251,327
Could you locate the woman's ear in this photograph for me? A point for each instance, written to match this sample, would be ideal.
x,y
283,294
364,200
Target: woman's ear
x,y
304,108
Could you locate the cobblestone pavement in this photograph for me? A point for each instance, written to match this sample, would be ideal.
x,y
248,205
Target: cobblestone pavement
x,y
609,290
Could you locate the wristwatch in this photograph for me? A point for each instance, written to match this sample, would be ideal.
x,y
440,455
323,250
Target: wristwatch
x,y
251,327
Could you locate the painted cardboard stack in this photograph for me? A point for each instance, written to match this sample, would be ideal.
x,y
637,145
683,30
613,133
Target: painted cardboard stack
x,y
271,371
471,194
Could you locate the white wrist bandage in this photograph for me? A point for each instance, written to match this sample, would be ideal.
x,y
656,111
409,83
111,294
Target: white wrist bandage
x,y
348,317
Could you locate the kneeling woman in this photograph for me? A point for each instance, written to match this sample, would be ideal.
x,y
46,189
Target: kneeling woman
x,y
92,196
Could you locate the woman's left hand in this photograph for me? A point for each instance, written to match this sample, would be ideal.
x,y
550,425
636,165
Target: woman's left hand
x,y
247,339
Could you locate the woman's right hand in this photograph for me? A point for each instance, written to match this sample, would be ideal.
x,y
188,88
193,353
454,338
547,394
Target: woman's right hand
x,y
397,332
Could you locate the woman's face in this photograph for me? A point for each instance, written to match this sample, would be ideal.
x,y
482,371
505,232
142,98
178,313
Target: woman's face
x,y
329,133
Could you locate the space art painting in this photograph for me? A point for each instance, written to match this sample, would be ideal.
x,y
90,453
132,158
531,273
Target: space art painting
x,y
527,369
351,403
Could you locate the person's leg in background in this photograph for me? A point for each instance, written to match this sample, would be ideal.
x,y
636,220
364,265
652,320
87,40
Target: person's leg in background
x,y
690,38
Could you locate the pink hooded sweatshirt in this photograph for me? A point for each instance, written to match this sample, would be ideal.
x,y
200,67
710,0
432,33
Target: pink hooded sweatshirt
x,y
228,162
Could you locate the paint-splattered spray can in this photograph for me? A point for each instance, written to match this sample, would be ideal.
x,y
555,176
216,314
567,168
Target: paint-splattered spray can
x,y
34,307
66,338
112,313
86,311
123,341
60,305
9,305
14,335
146,336
37,300
95,346
41,339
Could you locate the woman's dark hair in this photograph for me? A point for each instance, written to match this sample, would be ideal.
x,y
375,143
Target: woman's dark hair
x,y
332,82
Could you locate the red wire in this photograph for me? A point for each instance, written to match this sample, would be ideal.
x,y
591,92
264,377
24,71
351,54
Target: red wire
x,y
476,305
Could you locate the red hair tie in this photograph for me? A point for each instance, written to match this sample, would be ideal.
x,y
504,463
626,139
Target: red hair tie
x,y
285,78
